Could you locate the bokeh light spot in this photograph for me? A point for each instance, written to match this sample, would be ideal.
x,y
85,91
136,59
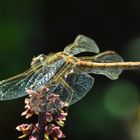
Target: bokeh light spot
x,y
93,118
121,99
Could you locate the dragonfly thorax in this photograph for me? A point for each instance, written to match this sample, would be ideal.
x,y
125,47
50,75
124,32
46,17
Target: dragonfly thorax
x,y
68,57
40,59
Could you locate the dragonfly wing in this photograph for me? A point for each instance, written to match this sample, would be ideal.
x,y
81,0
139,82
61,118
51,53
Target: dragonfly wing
x,y
106,57
79,84
46,73
14,87
82,44
31,79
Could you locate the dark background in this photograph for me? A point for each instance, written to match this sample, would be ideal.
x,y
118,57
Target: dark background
x,y
27,28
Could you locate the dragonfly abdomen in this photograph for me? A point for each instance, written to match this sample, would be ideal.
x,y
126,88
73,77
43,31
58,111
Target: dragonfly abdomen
x,y
115,65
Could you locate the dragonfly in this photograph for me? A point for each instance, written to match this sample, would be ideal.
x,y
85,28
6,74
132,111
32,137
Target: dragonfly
x,y
65,73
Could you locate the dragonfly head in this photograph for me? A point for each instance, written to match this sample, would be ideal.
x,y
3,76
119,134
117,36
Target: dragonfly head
x,y
40,59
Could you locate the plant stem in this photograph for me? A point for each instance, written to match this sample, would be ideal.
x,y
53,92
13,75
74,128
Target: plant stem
x,y
41,125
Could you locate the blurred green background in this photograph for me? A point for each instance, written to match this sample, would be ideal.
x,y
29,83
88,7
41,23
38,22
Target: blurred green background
x,y
111,110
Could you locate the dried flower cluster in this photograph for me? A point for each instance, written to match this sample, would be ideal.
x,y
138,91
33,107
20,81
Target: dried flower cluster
x,y
53,115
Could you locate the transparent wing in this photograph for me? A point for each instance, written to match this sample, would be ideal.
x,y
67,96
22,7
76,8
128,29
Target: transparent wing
x,y
108,56
73,86
81,84
105,57
82,44
14,87
46,73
